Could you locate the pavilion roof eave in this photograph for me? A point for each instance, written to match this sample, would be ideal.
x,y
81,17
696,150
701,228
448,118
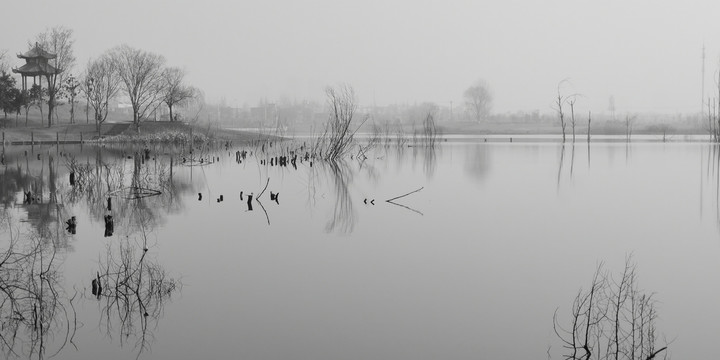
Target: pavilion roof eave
x,y
36,52
37,69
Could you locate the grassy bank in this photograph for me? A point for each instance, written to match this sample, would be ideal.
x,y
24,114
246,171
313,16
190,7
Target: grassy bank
x,y
160,131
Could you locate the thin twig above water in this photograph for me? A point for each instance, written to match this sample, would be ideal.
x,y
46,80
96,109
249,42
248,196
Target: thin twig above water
x,y
392,201
263,190
404,195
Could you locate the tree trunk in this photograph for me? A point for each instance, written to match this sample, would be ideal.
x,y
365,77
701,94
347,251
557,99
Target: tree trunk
x,y
50,111
136,120
72,110
171,114
51,100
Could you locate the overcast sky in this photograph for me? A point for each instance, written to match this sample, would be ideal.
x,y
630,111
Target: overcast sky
x,y
647,54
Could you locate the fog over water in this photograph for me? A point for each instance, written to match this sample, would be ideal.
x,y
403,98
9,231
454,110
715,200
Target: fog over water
x,y
430,231
647,54
494,239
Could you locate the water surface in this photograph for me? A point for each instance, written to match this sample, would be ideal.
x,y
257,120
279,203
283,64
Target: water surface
x,y
473,265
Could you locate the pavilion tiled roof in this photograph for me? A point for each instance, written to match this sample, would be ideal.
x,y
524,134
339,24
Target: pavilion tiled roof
x,y
37,52
35,69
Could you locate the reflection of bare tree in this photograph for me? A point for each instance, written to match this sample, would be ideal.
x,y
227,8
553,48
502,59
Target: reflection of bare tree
x,y
343,218
588,152
136,192
12,180
560,166
91,182
45,212
430,160
133,289
477,163
711,180
572,158
399,152
428,154
38,319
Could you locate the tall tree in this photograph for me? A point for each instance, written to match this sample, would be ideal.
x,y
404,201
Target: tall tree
x,y
175,91
103,75
7,83
19,101
71,89
57,40
36,96
86,86
4,65
141,74
478,100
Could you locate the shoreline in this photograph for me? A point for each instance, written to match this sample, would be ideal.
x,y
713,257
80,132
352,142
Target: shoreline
x,y
165,132
125,132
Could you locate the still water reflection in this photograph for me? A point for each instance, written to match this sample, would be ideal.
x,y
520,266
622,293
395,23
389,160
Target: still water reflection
x,y
461,250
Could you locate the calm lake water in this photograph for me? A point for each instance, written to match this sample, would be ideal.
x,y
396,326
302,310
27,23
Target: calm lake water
x,y
472,266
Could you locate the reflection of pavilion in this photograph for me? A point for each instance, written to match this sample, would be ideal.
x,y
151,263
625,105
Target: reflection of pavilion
x,y
36,64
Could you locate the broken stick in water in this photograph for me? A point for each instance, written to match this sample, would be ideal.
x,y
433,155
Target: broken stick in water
x,y
402,196
263,190
392,201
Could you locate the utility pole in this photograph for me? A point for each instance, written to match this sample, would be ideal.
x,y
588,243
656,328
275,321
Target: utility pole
x,y
702,84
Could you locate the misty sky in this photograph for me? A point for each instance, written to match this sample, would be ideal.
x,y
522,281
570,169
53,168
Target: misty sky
x,y
647,54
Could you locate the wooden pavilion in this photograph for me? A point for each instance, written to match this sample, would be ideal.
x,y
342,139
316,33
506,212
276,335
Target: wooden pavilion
x,y
36,65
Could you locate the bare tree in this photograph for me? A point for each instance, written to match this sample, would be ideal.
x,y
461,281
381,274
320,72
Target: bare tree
x,y
175,91
339,133
613,319
141,74
629,122
430,131
71,89
194,106
478,100
713,115
105,83
86,86
559,102
59,41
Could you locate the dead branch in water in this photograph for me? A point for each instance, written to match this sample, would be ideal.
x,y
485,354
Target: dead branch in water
x,y
404,195
263,190
133,289
612,319
267,217
392,201
407,207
